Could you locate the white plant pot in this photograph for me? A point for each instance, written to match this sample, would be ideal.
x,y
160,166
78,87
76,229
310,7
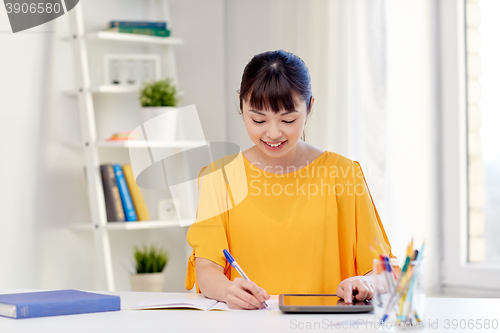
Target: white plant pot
x,y
160,122
152,282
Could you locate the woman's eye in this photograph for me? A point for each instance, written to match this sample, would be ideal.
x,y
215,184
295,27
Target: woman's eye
x,y
289,122
258,122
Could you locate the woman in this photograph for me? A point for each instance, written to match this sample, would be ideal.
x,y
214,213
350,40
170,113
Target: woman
x,y
305,220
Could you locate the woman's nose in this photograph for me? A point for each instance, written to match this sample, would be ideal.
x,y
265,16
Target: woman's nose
x,y
273,132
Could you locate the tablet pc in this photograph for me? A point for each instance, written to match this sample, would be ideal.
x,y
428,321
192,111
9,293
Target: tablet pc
x,y
321,303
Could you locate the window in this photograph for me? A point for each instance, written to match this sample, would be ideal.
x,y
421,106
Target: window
x,y
483,121
470,112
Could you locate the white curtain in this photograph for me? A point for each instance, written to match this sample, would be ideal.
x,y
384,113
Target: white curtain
x,y
343,44
373,69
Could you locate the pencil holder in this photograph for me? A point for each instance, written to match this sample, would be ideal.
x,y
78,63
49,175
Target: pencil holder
x,y
399,295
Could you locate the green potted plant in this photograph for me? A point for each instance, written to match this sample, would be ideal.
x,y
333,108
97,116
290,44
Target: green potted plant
x,y
157,99
149,264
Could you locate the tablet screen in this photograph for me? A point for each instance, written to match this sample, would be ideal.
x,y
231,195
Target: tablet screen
x,y
318,300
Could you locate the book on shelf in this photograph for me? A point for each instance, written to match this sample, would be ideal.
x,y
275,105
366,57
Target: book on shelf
x,y
135,192
128,206
141,31
138,24
55,303
114,207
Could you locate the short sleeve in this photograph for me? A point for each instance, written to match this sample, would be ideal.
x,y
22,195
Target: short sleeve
x,y
369,227
208,235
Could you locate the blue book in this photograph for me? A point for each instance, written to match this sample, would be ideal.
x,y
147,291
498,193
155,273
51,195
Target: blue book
x,y
137,24
128,206
55,303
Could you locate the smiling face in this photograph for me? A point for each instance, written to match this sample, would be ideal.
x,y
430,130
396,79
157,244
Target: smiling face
x,y
275,134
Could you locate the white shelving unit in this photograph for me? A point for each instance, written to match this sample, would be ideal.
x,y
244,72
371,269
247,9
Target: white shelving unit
x,y
112,36
109,89
140,144
92,146
143,225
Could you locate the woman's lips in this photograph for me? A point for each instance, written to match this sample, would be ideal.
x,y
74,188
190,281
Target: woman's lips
x,y
279,147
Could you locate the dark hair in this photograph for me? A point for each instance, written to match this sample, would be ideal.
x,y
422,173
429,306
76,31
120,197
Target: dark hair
x,y
272,79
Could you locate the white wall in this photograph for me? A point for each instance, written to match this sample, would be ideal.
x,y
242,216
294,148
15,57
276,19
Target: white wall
x,y
202,60
412,184
42,188
247,34
41,185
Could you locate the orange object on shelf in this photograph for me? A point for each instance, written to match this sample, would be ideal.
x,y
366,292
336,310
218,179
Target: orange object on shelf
x,y
123,136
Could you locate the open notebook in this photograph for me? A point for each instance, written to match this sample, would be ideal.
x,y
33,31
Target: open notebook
x,y
204,304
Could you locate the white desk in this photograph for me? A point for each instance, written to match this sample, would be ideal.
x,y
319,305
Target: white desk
x,y
438,310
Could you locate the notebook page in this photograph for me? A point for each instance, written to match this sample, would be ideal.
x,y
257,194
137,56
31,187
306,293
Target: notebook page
x,y
175,303
221,306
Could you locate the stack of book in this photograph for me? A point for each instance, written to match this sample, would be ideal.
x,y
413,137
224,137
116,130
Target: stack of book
x,y
139,27
124,200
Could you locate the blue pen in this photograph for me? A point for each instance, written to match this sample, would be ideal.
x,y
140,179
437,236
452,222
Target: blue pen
x,y
237,267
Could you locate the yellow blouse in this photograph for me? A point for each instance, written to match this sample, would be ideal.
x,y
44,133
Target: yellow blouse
x,y
301,231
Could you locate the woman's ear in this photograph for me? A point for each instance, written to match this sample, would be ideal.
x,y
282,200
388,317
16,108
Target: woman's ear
x,y
310,105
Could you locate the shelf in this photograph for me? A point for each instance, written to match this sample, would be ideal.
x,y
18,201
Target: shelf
x,y
152,144
108,89
139,225
141,144
132,38
111,89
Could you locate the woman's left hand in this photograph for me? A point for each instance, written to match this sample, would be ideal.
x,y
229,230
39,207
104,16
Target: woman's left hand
x,y
363,285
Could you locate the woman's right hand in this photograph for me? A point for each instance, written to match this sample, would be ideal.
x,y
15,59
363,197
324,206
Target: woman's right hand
x,y
243,294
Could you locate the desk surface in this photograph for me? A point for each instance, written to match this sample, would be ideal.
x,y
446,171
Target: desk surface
x,y
439,312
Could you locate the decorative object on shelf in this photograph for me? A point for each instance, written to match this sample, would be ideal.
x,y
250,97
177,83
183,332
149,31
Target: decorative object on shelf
x,y
159,93
166,209
131,69
158,98
123,136
149,264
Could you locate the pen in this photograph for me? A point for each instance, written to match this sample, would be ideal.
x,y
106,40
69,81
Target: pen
x,y
405,269
418,257
405,282
237,267
389,271
381,267
399,292
402,301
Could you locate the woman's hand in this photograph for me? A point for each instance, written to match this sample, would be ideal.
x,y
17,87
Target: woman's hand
x,y
360,286
243,294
